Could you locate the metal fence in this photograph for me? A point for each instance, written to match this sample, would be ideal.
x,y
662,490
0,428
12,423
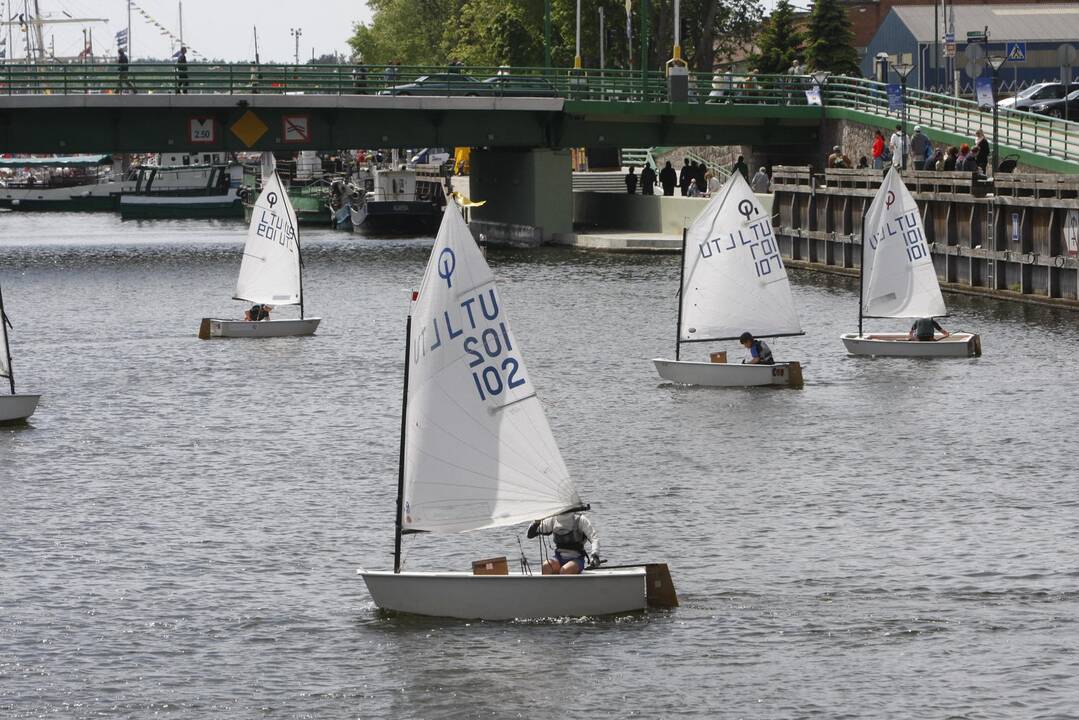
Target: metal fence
x,y
1017,129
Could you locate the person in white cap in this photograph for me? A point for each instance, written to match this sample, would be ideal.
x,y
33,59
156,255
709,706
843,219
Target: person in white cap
x,y
919,144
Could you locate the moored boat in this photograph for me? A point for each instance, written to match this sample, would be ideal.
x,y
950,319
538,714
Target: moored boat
x,y
75,183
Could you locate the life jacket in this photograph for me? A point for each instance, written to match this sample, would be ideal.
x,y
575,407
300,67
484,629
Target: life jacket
x,y
571,538
764,354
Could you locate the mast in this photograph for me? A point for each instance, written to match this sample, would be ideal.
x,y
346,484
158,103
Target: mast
x,y
861,274
299,259
7,343
401,458
681,294
130,53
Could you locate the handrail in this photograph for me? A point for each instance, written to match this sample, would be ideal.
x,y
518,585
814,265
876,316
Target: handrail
x,y
1018,130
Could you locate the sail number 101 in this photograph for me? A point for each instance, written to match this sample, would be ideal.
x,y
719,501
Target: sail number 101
x,y
498,373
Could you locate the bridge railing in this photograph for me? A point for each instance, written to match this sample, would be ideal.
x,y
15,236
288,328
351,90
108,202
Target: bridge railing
x,y
1015,128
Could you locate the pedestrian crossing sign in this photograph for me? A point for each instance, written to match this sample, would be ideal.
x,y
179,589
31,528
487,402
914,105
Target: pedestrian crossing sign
x,y
1017,52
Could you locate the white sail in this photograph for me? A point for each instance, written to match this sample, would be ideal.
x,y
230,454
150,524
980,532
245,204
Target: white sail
x,y
478,449
733,278
898,277
270,270
5,367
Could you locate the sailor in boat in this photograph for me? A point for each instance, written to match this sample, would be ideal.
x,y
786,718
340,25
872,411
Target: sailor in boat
x,y
923,329
757,351
570,531
258,311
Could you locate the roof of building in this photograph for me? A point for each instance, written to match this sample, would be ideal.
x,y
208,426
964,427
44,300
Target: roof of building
x,y
1044,23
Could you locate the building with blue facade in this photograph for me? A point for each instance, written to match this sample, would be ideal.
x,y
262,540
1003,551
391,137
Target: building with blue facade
x,y
1030,34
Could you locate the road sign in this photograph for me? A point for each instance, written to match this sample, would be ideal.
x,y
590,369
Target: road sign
x,y
249,128
1066,55
949,37
949,49
895,97
200,130
974,53
297,128
974,69
976,36
1017,52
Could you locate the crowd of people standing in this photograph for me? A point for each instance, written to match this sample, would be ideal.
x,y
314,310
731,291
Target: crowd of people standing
x,y
920,153
693,179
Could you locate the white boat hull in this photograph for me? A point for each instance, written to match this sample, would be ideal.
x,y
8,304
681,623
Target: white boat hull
x,y
214,328
959,345
16,408
788,374
509,597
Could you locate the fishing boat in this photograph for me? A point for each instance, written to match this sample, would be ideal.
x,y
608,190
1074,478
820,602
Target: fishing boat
x,y
207,187
732,281
14,407
477,452
898,280
271,271
403,199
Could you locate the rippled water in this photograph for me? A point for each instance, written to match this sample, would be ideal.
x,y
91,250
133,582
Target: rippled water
x,y
181,522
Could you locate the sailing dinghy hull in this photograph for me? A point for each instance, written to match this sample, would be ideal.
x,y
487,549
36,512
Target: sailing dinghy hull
x,y
214,328
509,597
17,408
785,374
956,345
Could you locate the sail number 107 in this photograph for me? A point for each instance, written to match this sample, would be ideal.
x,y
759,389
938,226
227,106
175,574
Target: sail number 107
x,y
496,370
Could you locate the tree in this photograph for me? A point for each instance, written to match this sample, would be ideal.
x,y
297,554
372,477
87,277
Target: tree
x,y
780,42
830,39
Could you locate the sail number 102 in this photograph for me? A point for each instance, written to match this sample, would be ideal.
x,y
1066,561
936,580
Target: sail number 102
x,y
496,370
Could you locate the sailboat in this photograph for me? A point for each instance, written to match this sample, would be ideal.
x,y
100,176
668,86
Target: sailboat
x,y
898,280
271,271
14,407
732,281
477,452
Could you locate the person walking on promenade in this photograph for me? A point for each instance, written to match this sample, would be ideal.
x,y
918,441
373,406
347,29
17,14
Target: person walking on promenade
x,y
919,146
950,159
181,72
631,181
981,150
648,180
900,145
684,176
878,150
741,167
668,179
761,182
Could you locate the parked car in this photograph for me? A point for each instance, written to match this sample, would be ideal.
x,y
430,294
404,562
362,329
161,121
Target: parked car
x,y
441,84
519,86
1056,108
1036,94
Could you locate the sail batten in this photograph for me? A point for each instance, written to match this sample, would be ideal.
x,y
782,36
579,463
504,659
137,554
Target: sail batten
x,y
270,268
898,276
478,449
734,279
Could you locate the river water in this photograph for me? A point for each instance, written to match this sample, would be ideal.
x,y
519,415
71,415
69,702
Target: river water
x,y
181,522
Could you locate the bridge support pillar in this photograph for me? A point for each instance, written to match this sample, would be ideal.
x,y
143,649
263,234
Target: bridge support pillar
x,y
529,195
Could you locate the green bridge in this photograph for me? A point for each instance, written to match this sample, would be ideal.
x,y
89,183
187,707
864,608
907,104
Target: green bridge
x,y
236,107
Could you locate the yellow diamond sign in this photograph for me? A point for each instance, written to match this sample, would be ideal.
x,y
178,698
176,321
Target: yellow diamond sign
x,y
249,128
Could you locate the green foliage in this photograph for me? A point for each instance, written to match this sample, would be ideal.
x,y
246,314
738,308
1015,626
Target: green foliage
x,y
780,42
830,39
511,32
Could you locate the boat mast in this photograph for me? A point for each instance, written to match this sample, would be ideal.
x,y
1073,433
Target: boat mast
x,y
681,279
7,343
299,259
401,457
861,275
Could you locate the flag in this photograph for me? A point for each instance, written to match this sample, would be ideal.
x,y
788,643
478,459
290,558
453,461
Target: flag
x,y
121,40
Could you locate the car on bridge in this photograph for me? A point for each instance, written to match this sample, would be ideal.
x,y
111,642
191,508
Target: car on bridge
x,y
1036,94
1059,108
438,84
518,86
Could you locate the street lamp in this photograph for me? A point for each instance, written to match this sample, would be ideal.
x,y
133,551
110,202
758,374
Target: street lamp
x,y
296,33
995,61
903,69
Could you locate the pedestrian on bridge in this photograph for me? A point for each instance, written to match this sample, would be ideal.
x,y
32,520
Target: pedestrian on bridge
x,y
631,181
123,67
181,72
668,179
648,180
741,167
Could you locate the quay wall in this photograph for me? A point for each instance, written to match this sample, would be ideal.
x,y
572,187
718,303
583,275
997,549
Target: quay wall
x,y
1017,237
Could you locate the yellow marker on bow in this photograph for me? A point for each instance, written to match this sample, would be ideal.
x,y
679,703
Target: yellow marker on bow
x,y
465,202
